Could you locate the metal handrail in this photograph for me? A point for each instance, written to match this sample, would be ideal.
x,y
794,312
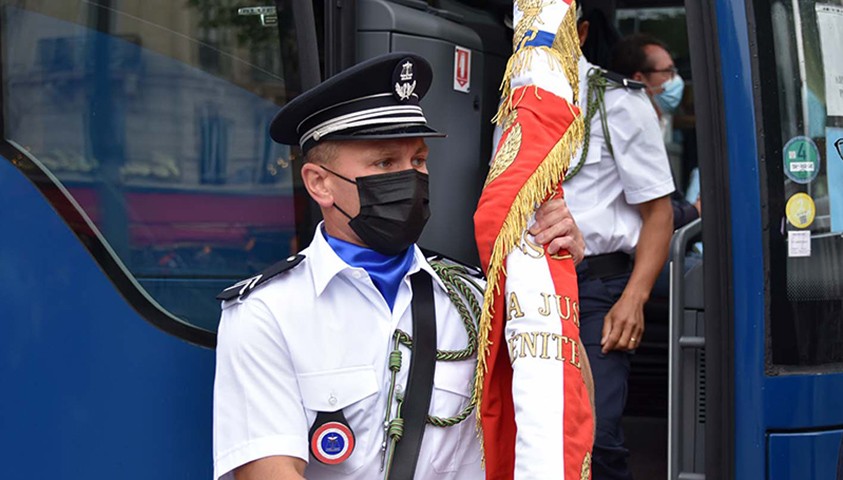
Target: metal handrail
x,y
682,238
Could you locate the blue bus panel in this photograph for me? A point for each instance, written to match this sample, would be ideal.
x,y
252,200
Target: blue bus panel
x,y
800,456
90,388
787,259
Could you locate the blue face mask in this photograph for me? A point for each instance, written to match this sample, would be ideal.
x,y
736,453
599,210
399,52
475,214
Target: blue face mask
x,y
668,100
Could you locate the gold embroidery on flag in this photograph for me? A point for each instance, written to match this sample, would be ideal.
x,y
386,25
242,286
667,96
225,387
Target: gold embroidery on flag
x,y
542,345
531,10
586,467
506,154
509,120
535,190
530,247
563,54
567,43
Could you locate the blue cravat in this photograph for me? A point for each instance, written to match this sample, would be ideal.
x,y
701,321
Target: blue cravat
x,y
386,271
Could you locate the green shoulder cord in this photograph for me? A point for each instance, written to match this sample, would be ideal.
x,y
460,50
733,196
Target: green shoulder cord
x,y
595,99
459,284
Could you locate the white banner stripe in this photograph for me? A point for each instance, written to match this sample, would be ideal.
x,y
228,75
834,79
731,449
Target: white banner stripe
x,y
538,352
541,74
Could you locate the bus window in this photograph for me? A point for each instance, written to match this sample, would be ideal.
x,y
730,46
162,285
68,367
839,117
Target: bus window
x,y
668,25
802,103
145,124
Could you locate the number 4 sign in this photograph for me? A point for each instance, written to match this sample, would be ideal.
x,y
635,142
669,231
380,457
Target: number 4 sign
x,y
462,69
801,160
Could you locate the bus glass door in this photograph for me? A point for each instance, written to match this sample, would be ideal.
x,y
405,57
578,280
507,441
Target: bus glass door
x,y
792,363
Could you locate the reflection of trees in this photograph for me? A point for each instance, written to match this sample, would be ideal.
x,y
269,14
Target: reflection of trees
x,y
811,44
222,14
219,19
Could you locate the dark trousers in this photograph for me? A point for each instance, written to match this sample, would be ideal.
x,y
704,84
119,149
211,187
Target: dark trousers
x,y
611,371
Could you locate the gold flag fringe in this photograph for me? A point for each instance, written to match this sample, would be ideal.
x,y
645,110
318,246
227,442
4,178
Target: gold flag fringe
x,y
538,187
562,55
567,42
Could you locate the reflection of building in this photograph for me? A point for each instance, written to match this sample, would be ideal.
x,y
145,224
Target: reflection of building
x,y
153,103
163,155
156,123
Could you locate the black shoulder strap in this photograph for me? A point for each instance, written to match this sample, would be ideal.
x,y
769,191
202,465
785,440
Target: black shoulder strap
x,y
420,383
432,255
623,81
242,288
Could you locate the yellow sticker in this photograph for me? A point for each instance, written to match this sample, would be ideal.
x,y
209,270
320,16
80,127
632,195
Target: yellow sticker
x,y
800,210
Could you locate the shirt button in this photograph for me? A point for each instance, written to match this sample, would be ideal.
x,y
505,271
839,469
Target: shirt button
x,y
356,274
332,399
399,389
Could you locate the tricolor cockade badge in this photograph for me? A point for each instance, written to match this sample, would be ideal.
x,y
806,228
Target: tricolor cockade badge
x,y
332,443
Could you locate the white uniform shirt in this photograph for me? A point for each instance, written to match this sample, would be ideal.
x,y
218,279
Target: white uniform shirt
x,y
317,338
603,196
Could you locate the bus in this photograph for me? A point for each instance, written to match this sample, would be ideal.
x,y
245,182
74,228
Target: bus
x,y
137,180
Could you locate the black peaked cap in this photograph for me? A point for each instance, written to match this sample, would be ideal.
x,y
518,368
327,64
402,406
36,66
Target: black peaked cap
x,y
376,99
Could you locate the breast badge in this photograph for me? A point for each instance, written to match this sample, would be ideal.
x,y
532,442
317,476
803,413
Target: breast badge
x,y
331,442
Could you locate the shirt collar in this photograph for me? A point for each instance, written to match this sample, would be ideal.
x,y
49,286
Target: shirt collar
x,y
583,67
420,262
326,264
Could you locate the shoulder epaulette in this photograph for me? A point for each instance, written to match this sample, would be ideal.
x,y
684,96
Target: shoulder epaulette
x,y
432,256
244,287
623,81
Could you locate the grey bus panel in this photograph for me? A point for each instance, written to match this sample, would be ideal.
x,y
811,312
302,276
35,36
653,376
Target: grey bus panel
x,y
456,168
686,378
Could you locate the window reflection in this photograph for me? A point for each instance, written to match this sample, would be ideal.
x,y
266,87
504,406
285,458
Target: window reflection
x,y
154,116
803,119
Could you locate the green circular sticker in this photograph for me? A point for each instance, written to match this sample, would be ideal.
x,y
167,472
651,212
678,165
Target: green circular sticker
x,y
801,160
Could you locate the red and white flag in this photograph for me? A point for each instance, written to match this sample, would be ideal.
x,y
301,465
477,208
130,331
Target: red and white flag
x,y
534,408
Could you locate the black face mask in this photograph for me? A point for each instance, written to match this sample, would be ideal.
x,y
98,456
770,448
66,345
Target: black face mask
x,y
394,208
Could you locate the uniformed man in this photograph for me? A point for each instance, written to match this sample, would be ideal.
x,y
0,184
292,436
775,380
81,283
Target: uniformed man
x,y
618,190
646,59
355,358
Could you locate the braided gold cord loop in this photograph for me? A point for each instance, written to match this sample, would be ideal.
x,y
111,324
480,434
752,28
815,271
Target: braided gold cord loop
x,y
395,360
459,285
462,291
595,100
396,428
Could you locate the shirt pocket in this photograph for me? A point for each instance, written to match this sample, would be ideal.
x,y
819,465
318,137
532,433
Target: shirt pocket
x,y
455,446
352,390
